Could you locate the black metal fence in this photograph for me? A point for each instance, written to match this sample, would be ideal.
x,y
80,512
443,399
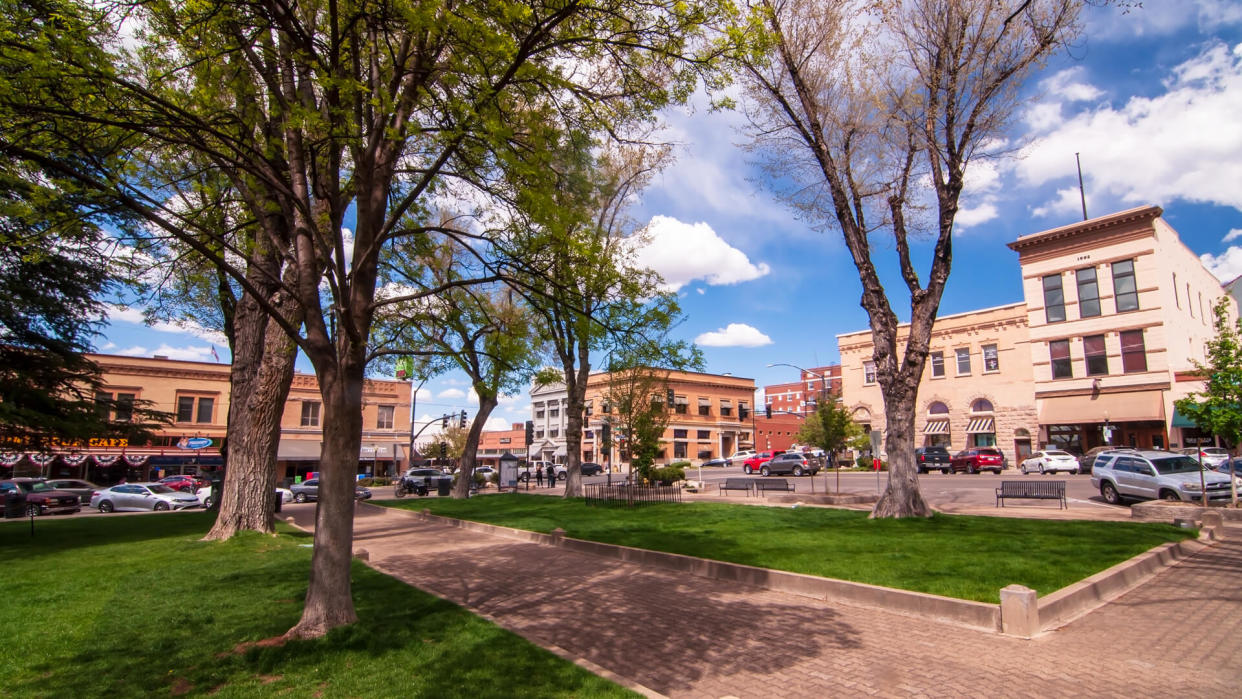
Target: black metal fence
x,y
630,495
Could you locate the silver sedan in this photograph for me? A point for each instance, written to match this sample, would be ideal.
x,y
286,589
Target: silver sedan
x,y
1050,461
142,496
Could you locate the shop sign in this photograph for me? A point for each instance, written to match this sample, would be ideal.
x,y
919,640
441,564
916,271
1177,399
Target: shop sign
x,y
194,443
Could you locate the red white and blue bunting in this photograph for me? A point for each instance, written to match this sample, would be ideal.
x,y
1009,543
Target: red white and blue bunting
x,y
11,459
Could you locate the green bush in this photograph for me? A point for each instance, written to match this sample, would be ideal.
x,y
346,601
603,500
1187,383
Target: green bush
x,y
864,462
375,481
668,474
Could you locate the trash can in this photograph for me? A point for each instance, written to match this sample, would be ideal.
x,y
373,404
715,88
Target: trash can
x,y
444,486
14,508
279,501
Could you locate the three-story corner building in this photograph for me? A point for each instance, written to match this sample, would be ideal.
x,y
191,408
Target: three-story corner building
x,y
1117,308
976,385
711,418
548,406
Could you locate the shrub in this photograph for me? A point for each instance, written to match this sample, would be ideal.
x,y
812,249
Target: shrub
x,y
864,462
668,475
374,481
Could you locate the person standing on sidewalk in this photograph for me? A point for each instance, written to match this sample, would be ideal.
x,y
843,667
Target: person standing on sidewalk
x,y
539,475
551,476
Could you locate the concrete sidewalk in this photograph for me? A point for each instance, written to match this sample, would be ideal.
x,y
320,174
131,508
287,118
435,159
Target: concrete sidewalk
x,y
692,637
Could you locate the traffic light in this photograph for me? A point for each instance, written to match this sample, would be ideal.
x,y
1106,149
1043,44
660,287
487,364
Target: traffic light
x,y
670,399
767,410
443,450
530,432
462,422
605,433
444,422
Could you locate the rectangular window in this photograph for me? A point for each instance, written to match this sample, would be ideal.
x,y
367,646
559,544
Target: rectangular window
x,y
1096,354
310,414
554,432
509,440
607,407
185,409
868,372
554,412
103,405
538,434
726,408
1133,352
991,358
705,406
538,414
1088,293
705,434
384,416
1060,354
1125,290
937,364
1054,299
124,407
681,404
679,450
963,361
679,434
205,407
588,407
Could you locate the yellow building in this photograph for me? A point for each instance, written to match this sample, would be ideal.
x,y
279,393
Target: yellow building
x,y
712,417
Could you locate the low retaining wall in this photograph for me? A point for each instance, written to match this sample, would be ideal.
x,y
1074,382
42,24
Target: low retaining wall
x,y
1021,612
1162,511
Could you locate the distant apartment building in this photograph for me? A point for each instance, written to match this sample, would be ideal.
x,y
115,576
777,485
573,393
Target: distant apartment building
x,y
1115,308
800,396
494,444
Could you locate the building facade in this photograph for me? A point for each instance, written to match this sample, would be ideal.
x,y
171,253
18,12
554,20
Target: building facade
x,y
976,388
711,418
1115,309
1118,307
548,407
494,444
801,396
196,396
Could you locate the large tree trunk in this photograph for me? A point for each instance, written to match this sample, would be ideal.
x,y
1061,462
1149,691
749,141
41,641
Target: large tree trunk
x,y
259,387
487,403
329,599
575,385
902,497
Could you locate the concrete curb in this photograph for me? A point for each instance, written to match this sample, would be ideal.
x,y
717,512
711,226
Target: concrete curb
x,y
1070,603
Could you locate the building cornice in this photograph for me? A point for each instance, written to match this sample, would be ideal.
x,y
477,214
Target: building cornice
x,y
1030,243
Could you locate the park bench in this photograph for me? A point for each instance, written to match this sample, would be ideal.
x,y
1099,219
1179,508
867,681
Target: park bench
x,y
1034,490
746,484
765,484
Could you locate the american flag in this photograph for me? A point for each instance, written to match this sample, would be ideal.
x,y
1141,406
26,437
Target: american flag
x,y
214,355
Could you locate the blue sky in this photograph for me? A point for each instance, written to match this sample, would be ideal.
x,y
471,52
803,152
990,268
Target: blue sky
x,y
1151,100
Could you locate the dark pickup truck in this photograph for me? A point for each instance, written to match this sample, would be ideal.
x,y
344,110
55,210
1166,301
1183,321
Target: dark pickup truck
x,y
932,459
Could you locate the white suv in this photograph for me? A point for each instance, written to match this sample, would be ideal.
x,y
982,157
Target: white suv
x,y
1151,475
741,455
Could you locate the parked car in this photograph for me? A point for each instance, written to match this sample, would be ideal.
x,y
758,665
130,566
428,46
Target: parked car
x,y
932,458
137,497
1050,461
204,495
590,468
792,463
754,463
83,489
36,497
309,490
526,473
741,455
1212,456
721,463
1151,475
977,459
184,483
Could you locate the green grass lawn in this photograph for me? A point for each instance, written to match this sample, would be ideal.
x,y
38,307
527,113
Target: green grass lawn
x,y
136,606
955,556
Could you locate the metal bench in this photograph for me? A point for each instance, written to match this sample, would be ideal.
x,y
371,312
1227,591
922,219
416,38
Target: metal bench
x,y
765,484
746,484
1033,490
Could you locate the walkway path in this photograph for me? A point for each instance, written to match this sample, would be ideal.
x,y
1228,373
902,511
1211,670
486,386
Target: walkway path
x,y
1177,635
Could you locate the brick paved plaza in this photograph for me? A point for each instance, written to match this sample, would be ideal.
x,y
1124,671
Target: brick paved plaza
x,y
679,636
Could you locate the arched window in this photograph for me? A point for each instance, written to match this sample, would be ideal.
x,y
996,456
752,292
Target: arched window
x,y
937,408
983,405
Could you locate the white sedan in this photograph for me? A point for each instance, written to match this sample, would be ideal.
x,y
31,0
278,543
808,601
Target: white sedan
x,y
1050,461
204,496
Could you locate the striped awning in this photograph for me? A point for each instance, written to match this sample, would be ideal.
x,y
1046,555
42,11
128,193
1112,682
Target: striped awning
x,y
980,425
936,427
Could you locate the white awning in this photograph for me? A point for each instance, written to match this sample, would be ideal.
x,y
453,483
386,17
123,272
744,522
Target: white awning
x,y
1116,407
936,427
980,425
705,402
681,400
298,450
559,451
726,403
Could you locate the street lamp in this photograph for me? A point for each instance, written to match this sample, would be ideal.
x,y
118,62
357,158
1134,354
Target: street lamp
x,y
823,380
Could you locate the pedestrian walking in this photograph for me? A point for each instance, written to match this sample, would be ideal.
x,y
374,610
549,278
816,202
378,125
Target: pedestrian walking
x,y
539,475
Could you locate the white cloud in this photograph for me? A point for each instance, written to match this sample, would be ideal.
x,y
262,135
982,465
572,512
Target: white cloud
x,y
683,252
1068,201
453,393
134,315
734,335
1162,18
196,353
1182,144
1232,235
973,216
1227,265
1067,86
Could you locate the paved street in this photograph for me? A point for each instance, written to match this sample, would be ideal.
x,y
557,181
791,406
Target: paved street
x,y
691,637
